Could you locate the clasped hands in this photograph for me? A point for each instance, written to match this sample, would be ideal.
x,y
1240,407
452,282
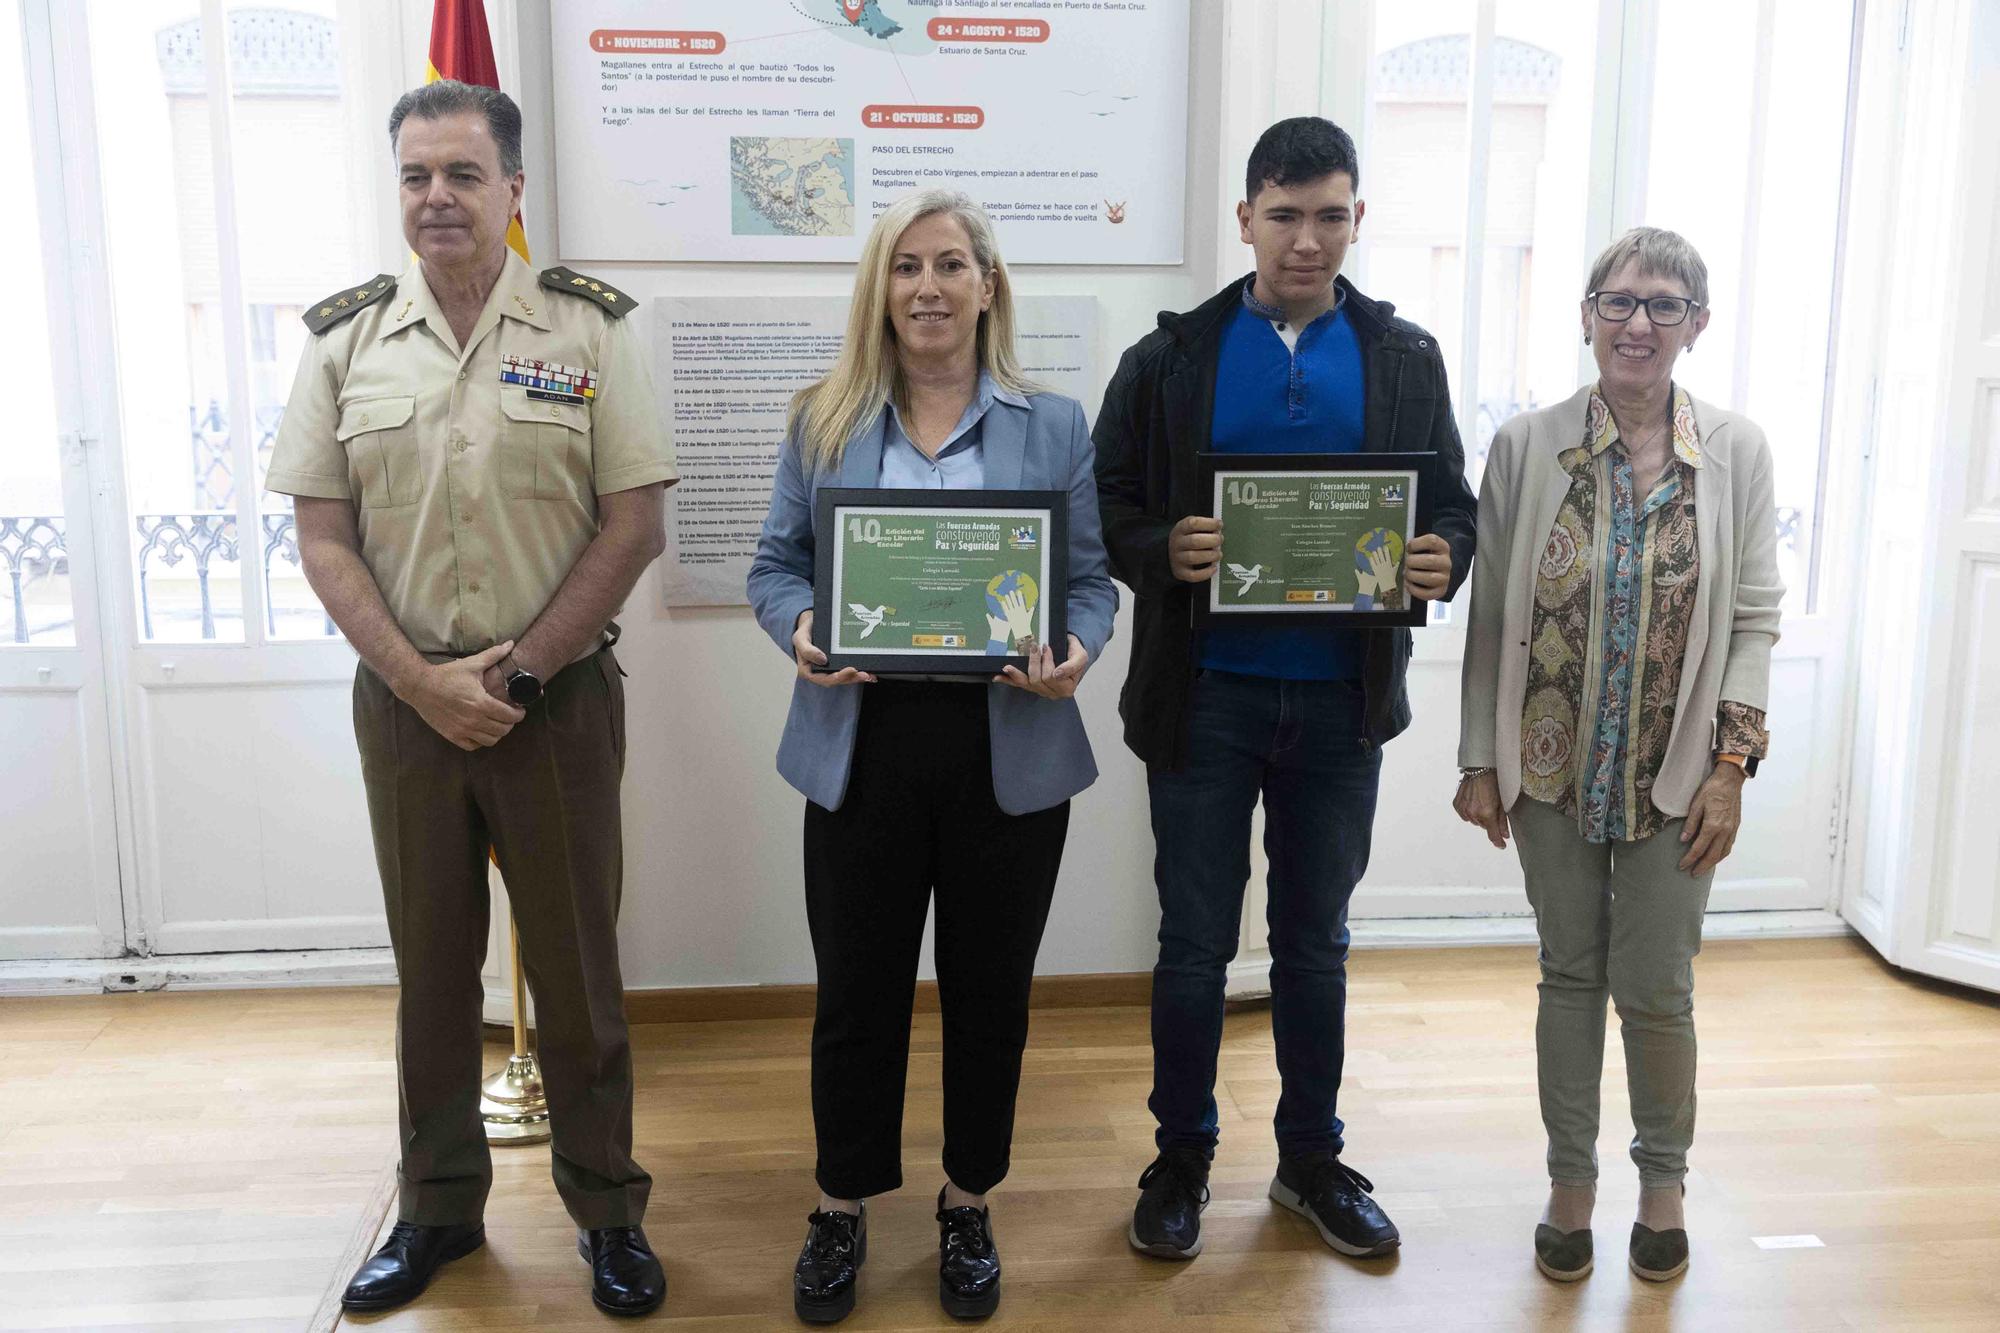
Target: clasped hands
x,y
1194,550
463,700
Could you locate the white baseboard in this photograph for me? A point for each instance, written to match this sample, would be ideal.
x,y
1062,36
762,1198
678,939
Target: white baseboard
x,y
1249,975
1380,902
213,971
315,934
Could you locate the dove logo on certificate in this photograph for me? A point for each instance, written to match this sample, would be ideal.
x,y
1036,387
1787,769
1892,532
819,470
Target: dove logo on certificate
x,y
869,616
1248,577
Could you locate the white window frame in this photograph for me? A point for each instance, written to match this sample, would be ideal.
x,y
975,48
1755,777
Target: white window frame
x,y
140,674
1621,141
1276,69
373,48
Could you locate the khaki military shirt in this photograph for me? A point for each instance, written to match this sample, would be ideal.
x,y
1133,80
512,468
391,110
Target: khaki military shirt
x,y
475,496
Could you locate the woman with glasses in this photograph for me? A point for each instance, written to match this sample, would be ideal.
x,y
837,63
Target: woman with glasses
x,y
1623,611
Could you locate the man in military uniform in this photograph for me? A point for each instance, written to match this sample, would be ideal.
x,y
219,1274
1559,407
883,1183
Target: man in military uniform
x,y
480,473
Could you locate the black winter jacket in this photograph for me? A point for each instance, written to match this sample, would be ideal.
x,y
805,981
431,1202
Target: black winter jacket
x,y
1157,415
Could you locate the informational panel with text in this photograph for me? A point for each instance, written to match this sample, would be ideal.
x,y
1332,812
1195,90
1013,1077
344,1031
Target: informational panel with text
x,y
779,129
728,368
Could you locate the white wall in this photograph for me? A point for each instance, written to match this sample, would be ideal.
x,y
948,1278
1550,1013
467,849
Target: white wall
x,y
713,894
713,891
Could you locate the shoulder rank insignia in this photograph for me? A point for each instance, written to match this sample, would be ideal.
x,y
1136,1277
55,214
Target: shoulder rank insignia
x,y
323,315
612,301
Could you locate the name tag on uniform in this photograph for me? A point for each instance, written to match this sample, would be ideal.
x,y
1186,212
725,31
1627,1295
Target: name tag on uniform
x,y
548,380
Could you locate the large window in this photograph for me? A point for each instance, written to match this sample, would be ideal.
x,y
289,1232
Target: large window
x,y
212,256
1496,165
1749,170
1510,187
34,531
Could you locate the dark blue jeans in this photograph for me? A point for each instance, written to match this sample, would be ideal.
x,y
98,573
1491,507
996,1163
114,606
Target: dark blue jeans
x,y
1299,745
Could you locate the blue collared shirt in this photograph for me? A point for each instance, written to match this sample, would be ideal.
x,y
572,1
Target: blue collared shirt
x,y
1284,391
960,465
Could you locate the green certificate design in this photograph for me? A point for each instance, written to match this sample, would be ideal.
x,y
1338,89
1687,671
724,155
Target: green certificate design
x,y
1324,537
951,582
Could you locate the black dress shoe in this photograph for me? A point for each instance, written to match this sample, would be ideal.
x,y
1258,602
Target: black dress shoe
x,y
407,1261
1333,1196
1564,1256
968,1265
1166,1222
829,1266
625,1277
1659,1256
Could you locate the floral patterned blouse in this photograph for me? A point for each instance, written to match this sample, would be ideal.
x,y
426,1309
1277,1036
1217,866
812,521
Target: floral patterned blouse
x,y
1614,597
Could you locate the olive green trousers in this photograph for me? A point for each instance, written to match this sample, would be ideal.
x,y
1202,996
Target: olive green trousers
x,y
545,800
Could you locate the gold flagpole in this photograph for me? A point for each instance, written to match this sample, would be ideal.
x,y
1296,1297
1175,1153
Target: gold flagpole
x,y
511,1102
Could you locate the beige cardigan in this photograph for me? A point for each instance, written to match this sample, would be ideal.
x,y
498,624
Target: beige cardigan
x,y
1735,619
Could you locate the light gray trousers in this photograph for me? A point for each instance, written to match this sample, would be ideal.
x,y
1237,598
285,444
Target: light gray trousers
x,y
1620,919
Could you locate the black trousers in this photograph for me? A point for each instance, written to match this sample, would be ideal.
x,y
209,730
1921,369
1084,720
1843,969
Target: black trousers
x,y
920,820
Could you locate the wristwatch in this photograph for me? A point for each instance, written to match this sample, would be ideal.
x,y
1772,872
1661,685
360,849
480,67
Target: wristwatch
x,y
523,687
1746,762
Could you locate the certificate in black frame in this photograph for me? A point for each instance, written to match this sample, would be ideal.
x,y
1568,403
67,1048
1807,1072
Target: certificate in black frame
x,y
832,503
1217,470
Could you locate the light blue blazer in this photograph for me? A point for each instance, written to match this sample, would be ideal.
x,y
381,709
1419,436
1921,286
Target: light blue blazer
x,y
1041,756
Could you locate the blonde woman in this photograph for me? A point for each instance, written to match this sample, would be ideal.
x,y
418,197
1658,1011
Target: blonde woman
x,y
922,789
1616,665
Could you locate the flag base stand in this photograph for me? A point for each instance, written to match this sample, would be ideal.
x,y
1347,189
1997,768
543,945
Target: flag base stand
x,y
512,1105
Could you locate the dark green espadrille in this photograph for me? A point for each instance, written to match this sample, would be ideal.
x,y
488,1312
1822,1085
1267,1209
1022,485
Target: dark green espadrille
x,y
1563,1256
1659,1256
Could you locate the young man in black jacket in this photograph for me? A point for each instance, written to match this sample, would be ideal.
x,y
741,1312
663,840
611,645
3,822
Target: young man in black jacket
x,y
1290,359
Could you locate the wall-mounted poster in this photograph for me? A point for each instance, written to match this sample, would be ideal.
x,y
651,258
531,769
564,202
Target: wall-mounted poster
x,y
778,129
727,367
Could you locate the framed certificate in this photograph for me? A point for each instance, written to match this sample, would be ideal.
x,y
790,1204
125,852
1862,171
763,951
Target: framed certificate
x,y
1317,536
938,583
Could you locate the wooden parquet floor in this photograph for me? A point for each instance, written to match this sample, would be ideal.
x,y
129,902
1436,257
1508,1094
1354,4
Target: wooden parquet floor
x,y
183,1161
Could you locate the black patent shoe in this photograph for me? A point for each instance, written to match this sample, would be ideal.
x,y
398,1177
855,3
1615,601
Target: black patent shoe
x,y
625,1277
968,1264
823,1280
1333,1196
406,1263
1166,1222
1659,1256
1564,1256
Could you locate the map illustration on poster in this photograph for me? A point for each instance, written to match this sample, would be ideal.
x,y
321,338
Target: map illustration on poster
x,y
778,130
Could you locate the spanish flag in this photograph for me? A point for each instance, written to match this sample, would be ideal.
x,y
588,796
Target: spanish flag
x,y
462,49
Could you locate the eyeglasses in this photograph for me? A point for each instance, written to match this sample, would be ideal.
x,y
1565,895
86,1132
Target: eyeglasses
x,y
1663,311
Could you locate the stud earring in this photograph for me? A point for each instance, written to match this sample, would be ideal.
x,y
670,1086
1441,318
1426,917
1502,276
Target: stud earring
x,y
1586,340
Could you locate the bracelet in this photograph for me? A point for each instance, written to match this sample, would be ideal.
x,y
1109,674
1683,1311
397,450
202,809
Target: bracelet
x,y
1467,774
